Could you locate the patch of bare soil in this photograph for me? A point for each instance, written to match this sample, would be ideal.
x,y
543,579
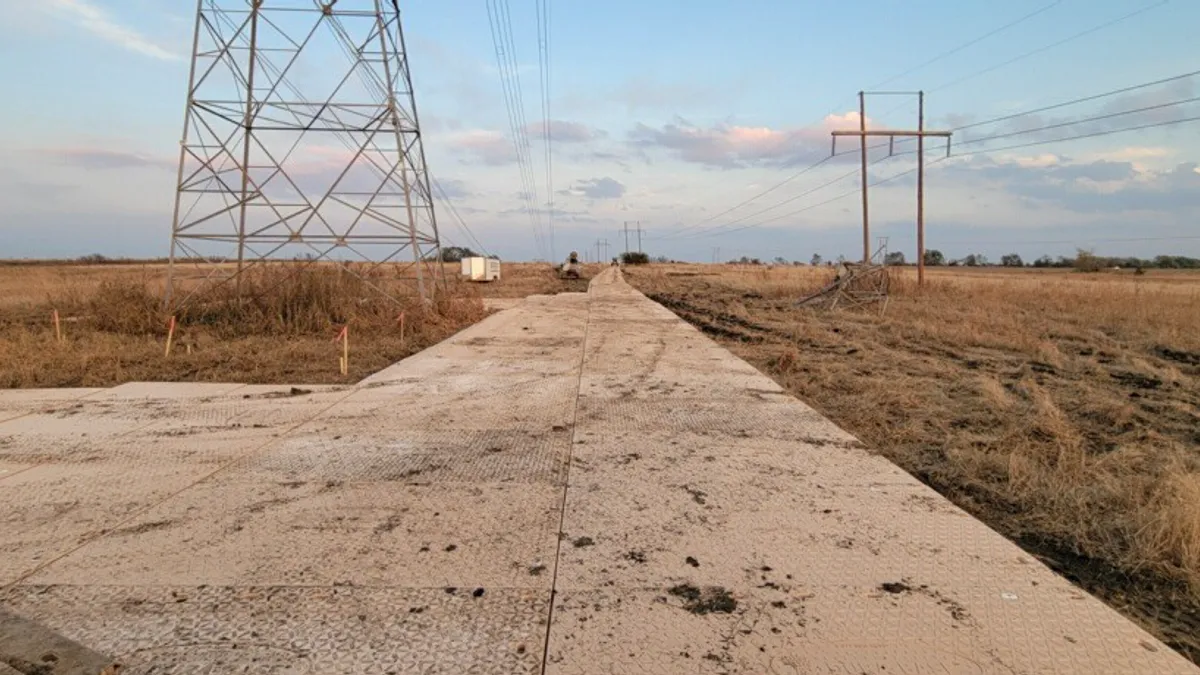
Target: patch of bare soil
x,y
1065,416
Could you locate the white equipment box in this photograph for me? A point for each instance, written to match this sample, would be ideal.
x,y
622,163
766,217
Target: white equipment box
x,y
481,269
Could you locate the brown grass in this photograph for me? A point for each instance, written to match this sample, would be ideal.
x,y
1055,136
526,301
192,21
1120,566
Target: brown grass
x,y
1063,409
280,331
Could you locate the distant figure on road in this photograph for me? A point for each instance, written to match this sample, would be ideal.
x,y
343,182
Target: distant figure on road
x,y
570,269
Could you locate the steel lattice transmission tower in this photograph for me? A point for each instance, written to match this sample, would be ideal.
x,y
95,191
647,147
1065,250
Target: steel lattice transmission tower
x,y
301,141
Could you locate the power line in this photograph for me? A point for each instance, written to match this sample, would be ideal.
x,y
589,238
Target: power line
x,y
543,15
1095,118
935,59
1038,50
939,57
1044,48
1088,135
1082,120
501,27
968,43
1056,106
1084,99
978,152
523,123
943,86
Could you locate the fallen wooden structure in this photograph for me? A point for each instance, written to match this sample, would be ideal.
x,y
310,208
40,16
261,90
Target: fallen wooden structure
x,y
855,285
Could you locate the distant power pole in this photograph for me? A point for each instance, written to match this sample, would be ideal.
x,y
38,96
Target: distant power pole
x,y
716,253
920,135
639,232
626,230
601,250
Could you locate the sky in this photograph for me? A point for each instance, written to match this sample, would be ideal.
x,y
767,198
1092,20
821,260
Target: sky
x,y
668,114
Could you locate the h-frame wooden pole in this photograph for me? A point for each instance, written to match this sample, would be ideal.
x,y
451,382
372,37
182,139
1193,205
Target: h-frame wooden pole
x,y
920,133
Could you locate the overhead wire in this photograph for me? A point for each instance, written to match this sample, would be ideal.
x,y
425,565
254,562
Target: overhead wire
x,y
977,152
1094,118
1045,48
523,122
924,64
1083,99
513,104
543,17
1038,50
1055,106
968,43
1042,128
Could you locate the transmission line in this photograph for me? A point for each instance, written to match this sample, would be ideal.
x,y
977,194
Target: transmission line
x,y
1084,99
1038,50
1056,106
1095,118
514,106
1044,48
543,15
522,120
935,59
969,43
714,230
1094,134
944,55
901,174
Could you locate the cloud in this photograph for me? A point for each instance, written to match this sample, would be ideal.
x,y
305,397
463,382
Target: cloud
x,y
97,21
101,158
642,93
1143,157
596,188
562,131
491,147
454,189
730,146
1097,187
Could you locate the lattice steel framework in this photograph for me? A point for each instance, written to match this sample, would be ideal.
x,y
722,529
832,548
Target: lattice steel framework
x,y
301,141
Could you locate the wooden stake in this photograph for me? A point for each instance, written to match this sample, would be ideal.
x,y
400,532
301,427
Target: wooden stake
x,y
344,359
170,335
401,327
346,350
57,328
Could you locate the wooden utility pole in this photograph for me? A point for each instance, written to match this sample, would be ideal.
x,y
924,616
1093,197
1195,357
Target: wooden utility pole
x,y
920,133
862,128
921,187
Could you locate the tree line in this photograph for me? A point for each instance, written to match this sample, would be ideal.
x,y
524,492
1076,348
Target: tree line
x,y
1085,261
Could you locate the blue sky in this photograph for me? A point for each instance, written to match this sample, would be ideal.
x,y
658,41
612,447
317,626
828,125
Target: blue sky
x,y
668,113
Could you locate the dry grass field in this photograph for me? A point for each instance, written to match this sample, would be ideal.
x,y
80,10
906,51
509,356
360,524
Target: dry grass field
x,y
1061,408
115,330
